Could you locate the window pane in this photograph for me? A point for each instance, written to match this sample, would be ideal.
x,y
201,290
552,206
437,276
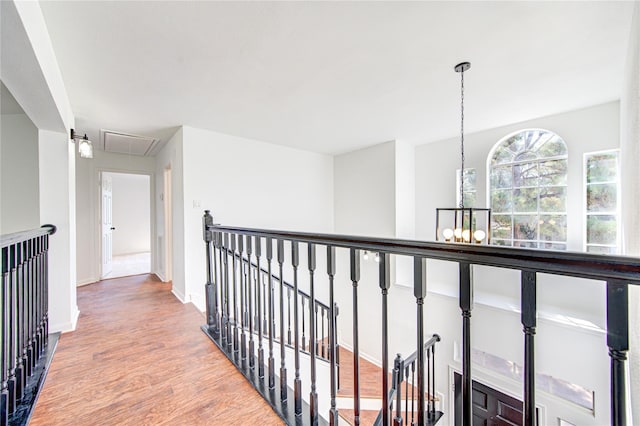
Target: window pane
x,y
469,180
602,168
502,156
469,199
525,175
525,200
552,148
501,201
602,197
601,229
553,199
553,228
525,227
551,246
499,242
500,226
525,244
553,172
501,177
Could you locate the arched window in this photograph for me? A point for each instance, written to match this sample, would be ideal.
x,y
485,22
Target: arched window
x,y
528,190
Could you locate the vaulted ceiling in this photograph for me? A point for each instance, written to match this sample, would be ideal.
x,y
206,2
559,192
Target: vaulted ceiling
x,y
331,77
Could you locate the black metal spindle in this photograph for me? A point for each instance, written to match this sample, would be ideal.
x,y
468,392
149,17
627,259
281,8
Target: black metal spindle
x,y
413,388
314,341
234,279
331,272
252,353
259,306
398,367
433,378
272,379
420,292
466,305
304,339
618,343
297,383
226,338
4,290
289,315
528,318
355,278
313,394
385,283
283,368
243,303
406,391
20,370
324,336
12,384
429,390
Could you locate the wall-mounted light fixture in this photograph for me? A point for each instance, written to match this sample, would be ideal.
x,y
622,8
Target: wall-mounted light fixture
x,y
85,147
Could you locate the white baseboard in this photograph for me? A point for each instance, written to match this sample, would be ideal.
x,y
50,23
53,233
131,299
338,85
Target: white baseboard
x,y
68,326
178,295
198,301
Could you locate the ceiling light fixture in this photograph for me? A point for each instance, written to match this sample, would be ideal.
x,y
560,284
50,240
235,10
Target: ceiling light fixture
x,y
462,223
85,147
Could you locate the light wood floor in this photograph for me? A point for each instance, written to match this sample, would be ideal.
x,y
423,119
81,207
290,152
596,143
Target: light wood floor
x,y
138,357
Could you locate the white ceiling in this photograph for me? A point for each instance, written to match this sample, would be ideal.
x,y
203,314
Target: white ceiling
x,y
333,76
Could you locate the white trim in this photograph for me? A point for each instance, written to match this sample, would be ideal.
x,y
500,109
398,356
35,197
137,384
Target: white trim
x,y
66,327
178,295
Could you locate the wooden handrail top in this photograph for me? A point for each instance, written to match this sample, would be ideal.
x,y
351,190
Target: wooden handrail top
x,y
17,237
569,263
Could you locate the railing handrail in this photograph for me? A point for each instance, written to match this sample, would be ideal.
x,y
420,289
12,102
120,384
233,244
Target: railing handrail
x,y
570,263
435,338
16,237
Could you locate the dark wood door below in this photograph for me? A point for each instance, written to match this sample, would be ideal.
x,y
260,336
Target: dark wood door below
x,y
490,407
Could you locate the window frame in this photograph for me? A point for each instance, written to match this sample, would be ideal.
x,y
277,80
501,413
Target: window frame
x,y
512,213
587,214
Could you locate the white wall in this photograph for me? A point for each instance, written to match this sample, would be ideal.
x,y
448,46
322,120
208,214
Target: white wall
x,y
247,183
19,183
630,154
131,213
57,206
171,156
87,187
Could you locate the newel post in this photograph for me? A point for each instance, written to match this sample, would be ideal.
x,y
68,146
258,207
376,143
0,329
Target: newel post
x,y
210,292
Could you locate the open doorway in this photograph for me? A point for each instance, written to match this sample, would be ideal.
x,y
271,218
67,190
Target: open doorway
x,y
125,224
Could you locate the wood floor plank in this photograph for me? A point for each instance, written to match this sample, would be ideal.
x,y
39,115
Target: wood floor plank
x,y
138,357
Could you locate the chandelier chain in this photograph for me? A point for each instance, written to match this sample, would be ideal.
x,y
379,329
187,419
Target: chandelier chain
x,y
462,139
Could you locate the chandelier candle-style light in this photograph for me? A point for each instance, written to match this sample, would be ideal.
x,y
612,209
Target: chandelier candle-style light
x,y
461,224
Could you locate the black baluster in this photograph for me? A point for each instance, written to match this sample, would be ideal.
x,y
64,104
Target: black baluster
x,y
314,341
272,379
313,395
297,383
528,317
289,315
12,384
224,289
252,356
20,369
29,356
234,267
398,368
420,292
324,353
355,277
385,283
304,338
259,305
433,375
265,302
5,300
331,271
466,305
220,286
618,343
406,391
413,388
243,303
429,394
283,368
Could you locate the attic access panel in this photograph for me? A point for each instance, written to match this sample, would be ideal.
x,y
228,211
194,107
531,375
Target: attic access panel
x,y
122,143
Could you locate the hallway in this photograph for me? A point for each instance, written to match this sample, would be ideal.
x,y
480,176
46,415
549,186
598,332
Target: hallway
x,y
138,357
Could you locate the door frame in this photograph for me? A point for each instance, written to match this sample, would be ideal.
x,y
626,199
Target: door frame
x,y
98,214
167,201
493,381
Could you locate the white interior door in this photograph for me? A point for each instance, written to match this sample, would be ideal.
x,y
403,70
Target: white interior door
x,y
107,225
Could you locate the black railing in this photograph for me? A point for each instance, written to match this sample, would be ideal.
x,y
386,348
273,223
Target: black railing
x,y
617,271
25,322
404,372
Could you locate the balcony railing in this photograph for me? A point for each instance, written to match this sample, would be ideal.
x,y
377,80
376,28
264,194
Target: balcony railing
x,y
26,348
617,272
